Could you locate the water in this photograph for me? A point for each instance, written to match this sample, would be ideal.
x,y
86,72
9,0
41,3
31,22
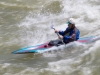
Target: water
x,y
25,23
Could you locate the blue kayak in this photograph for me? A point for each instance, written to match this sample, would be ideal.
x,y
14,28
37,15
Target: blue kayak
x,y
44,48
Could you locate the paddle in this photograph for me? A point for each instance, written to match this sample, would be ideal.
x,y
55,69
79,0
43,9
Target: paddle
x,y
57,33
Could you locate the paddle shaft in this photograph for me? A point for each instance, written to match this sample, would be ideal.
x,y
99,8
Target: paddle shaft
x,y
56,32
58,35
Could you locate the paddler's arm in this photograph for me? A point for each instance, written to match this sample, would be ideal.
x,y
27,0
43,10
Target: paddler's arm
x,y
62,32
75,34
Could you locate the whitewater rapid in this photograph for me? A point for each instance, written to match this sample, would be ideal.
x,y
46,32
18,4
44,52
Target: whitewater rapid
x,y
25,23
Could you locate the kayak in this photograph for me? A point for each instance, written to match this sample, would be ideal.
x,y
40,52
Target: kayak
x,y
44,48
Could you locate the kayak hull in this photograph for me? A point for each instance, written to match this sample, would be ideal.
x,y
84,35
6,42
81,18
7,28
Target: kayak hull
x,y
43,47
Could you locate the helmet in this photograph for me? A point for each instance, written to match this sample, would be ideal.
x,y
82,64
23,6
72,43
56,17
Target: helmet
x,y
70,21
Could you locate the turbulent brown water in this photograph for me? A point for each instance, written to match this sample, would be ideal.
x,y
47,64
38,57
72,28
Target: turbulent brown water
x,y
27,22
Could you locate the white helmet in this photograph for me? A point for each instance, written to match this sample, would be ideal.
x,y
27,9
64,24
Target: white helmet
x,y
70,21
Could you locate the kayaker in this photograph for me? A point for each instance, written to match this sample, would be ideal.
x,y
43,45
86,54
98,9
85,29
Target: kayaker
x,y
71,34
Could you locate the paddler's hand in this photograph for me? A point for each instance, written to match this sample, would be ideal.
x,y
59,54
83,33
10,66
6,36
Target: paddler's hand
x,y
60,37
73,36
56,31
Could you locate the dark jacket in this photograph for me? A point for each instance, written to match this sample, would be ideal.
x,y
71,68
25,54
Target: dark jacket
x,y
70,34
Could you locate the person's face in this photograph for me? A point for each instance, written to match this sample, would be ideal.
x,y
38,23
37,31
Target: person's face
x,y
70,26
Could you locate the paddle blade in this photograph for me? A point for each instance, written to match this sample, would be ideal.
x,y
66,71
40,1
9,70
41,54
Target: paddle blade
x,y
52,26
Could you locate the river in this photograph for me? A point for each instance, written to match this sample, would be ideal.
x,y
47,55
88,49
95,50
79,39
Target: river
x,y
27,22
